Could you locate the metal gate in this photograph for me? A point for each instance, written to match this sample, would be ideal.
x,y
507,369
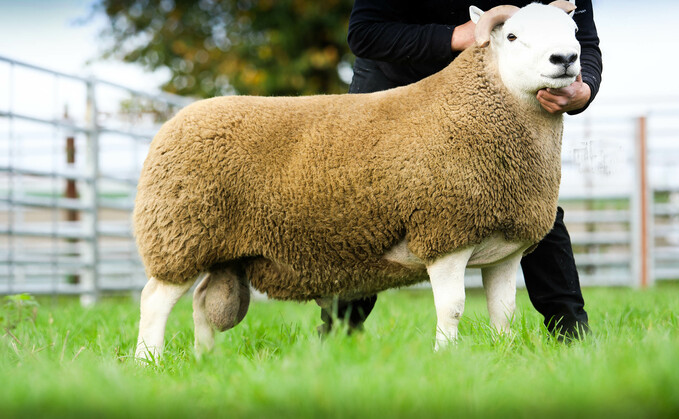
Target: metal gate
x,y
71,149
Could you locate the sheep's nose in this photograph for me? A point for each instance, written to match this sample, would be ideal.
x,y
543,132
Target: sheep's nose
x,y
563,59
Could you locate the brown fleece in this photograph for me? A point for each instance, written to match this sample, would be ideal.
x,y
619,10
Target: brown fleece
x,y
308,193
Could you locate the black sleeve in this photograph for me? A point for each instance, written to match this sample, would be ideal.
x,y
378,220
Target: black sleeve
x,y
590,54
376,32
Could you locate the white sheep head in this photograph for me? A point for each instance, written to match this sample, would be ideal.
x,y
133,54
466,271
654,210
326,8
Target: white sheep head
x,y
535,46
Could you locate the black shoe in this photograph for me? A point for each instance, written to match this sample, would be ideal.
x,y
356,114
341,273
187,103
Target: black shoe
x,y
353,313
567,332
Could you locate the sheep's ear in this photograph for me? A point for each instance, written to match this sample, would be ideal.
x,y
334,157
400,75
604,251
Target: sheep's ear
x,y
475,14
489,20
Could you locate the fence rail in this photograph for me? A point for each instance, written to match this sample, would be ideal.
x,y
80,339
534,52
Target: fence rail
x,y
67,180
68,174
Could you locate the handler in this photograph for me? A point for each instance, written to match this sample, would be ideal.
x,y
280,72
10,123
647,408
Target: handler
x,y
398,42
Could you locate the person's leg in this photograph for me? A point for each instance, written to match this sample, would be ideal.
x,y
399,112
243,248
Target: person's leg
x,y
553,284
367,78
354,312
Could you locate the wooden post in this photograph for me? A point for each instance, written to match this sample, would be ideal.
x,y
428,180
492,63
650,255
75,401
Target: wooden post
x,y
642,211
71,192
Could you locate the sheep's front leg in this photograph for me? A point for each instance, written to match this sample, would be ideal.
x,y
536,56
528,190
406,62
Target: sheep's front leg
x,y
499,281
157,300
446,275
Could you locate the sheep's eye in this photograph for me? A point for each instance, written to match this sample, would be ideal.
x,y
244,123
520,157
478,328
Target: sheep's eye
x,y
511,37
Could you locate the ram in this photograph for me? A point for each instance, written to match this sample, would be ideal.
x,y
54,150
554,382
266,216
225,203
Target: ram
x,y
348,195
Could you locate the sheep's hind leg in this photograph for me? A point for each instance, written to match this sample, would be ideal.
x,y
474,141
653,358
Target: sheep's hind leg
x,y
220,302
157,300
499,281
204,334
446,275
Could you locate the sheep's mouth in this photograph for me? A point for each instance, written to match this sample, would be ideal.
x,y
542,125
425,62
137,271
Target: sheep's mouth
x,y
562,76
558,81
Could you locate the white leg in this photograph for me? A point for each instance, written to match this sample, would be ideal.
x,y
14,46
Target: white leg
x,y
157,300
447,282
204,333
499,281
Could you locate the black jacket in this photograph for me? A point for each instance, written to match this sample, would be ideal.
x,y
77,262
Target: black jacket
x,y
410,40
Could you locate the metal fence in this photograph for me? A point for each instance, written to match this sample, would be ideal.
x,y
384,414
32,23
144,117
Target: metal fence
x,y
70,152
622,198
71,149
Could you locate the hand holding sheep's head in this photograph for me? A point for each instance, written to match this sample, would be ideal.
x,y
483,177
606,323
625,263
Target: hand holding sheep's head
x,y
535,46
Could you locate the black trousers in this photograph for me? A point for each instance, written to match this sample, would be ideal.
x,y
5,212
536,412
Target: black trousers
x,y
549,271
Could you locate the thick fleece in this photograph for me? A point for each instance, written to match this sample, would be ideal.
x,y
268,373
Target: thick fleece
x,y
308,193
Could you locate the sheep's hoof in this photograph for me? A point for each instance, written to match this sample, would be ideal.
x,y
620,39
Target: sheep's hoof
x,y
227,298
201,349
444,342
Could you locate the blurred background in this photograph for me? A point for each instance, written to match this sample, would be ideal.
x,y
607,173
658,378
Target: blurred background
x,y
85,84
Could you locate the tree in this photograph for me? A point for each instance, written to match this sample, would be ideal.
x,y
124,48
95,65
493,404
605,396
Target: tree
x,y
213,47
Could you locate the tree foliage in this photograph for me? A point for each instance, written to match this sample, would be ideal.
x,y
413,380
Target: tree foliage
x,y
215,47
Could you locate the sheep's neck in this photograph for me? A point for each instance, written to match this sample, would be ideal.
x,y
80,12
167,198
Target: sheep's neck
x,y
475,87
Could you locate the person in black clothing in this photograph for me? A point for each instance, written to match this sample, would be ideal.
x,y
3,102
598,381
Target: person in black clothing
x,y
398,42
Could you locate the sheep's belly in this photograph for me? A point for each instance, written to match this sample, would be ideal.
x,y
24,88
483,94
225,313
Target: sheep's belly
x,y
492,250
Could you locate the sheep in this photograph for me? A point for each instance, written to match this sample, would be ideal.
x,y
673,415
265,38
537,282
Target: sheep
x,y
347,195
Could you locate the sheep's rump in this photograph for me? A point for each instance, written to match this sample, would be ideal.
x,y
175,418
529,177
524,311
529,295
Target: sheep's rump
x,y
309,193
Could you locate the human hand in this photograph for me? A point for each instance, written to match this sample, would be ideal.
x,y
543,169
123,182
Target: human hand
x,y
463,36
569,98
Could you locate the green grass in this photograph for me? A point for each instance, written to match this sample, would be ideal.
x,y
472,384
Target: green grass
x,y
72,362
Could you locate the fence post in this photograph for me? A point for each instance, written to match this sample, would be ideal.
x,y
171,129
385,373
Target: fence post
x,y
90,280
71,192
642,212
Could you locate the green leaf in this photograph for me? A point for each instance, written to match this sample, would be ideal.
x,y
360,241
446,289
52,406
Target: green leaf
x,y
255,47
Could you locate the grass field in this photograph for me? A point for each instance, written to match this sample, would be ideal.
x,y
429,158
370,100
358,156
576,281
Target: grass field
x,y
67,361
